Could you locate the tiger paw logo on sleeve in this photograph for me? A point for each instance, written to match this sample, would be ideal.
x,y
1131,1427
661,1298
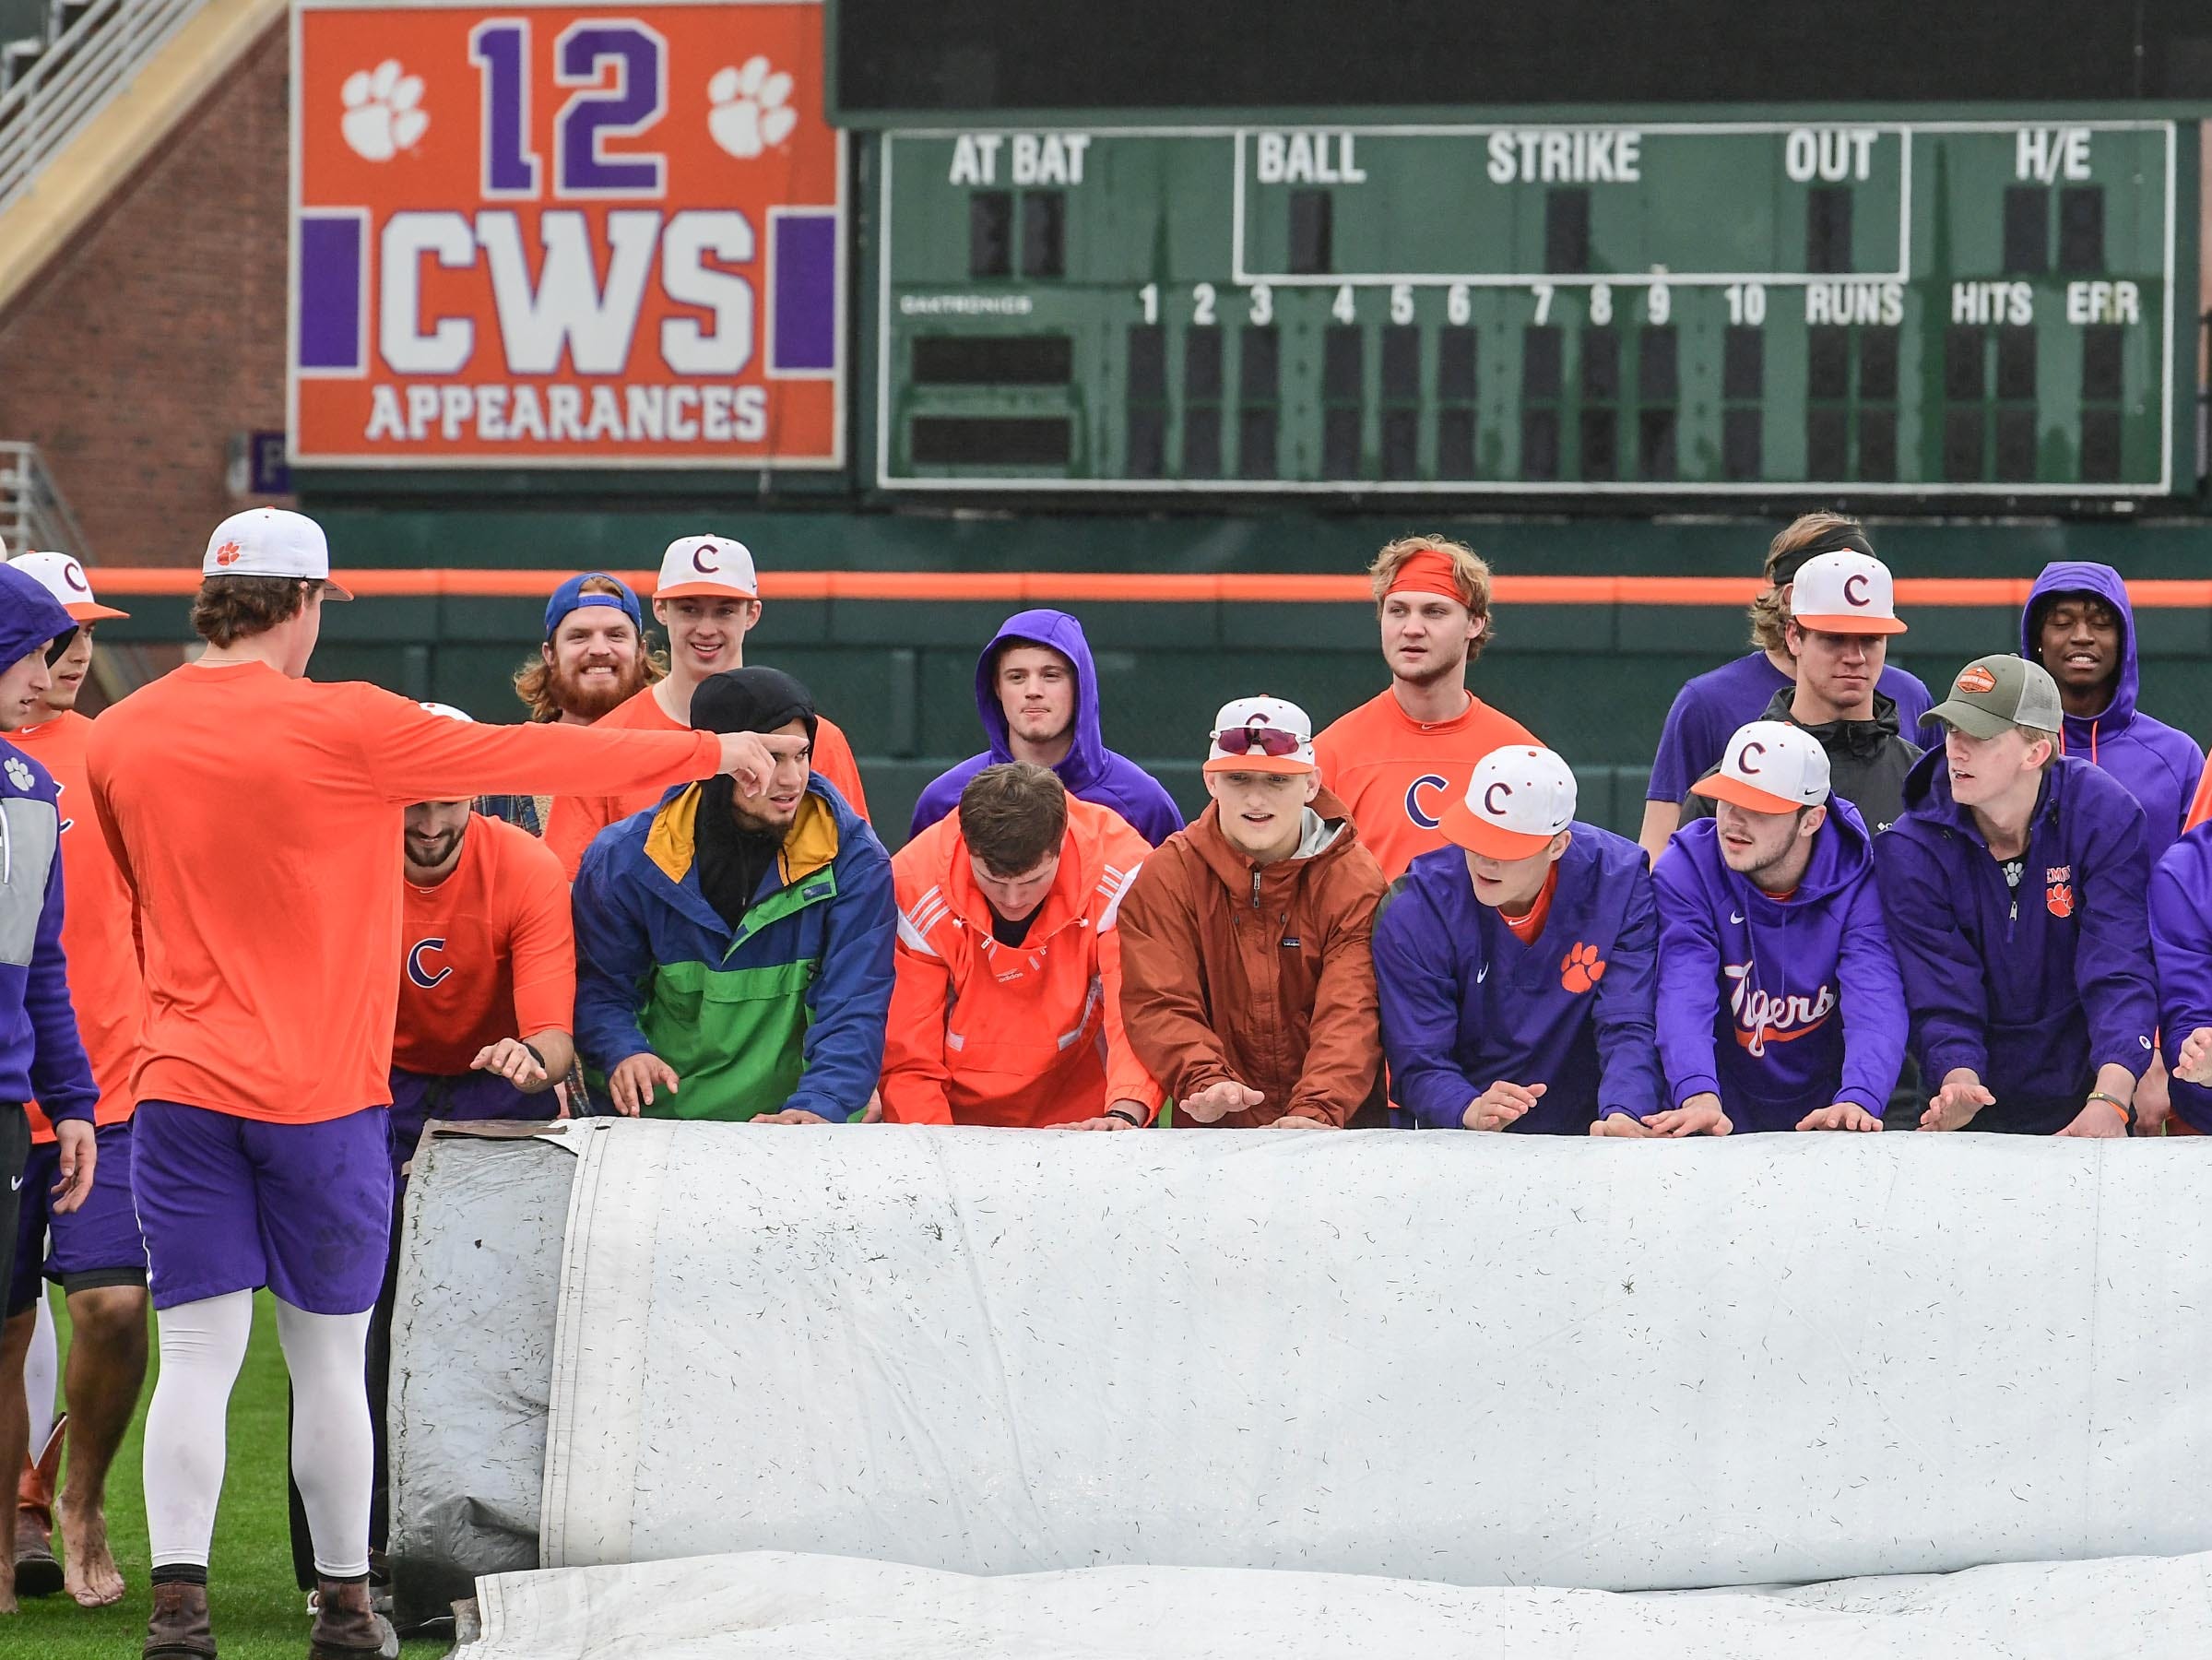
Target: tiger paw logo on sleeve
x,y
1582,968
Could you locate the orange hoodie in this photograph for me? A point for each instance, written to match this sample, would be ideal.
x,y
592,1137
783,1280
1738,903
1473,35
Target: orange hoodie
x,y
1024,1035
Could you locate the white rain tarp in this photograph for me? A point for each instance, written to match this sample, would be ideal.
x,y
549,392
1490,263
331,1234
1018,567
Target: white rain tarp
x,y
775,1606
1481,1359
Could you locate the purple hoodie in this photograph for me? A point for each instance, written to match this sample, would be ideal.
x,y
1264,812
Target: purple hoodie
x,y
41,1058
1780,1009
2181,951
2033,989
1089,770
2159,765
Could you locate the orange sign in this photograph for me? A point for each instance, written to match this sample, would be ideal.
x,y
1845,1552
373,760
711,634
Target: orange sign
x,y
565,235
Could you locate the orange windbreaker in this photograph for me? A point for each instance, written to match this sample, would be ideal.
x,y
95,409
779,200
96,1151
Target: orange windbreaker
x,y
1024,1035
105,985
572,820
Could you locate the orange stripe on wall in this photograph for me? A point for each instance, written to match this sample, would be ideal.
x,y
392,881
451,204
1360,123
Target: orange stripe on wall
x,y
1128,588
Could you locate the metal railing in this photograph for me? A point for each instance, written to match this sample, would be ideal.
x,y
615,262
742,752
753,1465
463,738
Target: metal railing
x,y
85,66
33,511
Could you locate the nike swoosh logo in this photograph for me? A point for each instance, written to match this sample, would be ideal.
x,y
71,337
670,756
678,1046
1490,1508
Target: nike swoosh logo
x,y
16,1185
1481,974
1735,916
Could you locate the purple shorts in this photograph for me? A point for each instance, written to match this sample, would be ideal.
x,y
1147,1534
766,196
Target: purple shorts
x,y
96,1244
232,1204
418,1097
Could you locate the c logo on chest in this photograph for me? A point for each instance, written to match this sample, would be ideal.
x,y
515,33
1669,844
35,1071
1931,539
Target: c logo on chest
x,y
1413,810
417,972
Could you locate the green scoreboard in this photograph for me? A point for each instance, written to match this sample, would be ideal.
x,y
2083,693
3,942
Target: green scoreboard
x,y
1931,308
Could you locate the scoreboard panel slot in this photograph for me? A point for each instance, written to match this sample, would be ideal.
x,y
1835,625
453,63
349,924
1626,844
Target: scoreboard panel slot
x,y
1667,308
990,440
993,361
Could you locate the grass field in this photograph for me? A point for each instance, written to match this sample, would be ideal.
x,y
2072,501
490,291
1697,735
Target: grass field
x,y
259,1614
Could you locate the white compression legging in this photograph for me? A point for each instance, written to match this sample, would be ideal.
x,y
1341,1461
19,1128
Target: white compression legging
x,y
41,1371
203,1344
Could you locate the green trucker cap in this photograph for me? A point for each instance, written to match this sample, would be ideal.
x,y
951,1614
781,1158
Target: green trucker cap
x,y
2001,691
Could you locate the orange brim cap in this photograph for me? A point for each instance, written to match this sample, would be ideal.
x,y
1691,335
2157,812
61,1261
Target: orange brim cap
x,y
1858,623
1257,762
1478,835
705,590
1720,787
84,611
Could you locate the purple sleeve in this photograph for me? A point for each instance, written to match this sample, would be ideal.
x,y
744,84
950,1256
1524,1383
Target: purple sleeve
x,y
1873,1004
2112,956
2181,950
1628,1077
1689,983
1420,1007
938,800
1155,813
60,1074
1942,979
1912,702
1672,769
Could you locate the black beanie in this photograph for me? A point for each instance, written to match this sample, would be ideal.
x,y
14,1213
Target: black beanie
x,y
751,700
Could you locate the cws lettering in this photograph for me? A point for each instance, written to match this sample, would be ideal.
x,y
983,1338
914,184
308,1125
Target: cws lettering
x,y
417,972
1413,810
1761,1015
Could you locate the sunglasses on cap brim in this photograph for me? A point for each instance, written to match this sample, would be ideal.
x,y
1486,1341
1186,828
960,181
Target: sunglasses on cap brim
x,y
1268,740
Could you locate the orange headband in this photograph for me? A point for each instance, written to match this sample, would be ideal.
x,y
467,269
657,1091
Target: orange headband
x,y
1429,572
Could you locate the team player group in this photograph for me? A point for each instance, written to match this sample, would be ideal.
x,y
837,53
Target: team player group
x,y
661,895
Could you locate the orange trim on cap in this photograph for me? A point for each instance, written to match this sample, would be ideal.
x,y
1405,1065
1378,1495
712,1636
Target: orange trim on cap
x,y
1257,762
83,610
1242,588
703,591
1721,788
1466,828
1855,622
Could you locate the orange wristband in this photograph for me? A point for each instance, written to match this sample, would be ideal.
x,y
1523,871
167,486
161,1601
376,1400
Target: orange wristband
x,y
2126,1117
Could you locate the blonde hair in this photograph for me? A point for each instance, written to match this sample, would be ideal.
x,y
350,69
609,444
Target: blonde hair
x,y
1820,532
1470,568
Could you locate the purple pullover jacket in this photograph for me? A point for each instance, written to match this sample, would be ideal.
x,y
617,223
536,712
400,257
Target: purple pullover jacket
x,y
2158,764
2033,989
1465,1004
2181,950
1089,770
1780,1009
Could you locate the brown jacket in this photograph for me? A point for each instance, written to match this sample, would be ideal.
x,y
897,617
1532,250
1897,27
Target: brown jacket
x,y
1261,975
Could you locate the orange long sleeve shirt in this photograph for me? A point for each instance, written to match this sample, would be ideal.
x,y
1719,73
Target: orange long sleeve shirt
x,y
489,953
1021,1035
104,987
257,821
574,819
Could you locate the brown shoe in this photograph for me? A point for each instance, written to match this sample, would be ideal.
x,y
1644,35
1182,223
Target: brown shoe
x,y
37,1573
179,1629
347,1627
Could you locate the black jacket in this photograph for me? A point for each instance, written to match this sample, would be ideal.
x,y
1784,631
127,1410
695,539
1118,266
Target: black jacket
x,y
1867,761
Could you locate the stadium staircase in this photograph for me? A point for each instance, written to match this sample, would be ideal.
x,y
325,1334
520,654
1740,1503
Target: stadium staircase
x,y
89,90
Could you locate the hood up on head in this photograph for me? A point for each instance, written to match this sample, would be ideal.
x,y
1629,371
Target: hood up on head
x,y
1063,634
2080,576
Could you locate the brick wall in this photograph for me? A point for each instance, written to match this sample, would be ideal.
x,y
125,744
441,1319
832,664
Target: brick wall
x,y
159,331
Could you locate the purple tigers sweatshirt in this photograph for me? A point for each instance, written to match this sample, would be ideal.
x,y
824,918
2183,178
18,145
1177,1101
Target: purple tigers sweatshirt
x,y
1780,1008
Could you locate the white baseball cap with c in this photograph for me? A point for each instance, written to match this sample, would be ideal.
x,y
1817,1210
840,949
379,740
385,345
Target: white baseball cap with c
x,y
703,566
270,541
1261,735
61,576
1769,767
1844,593
1518,799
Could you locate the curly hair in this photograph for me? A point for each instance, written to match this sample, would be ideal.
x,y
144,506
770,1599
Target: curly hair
x,y
1471,568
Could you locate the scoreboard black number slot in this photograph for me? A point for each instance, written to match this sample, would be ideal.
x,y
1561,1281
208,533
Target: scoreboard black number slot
x,y
1638,307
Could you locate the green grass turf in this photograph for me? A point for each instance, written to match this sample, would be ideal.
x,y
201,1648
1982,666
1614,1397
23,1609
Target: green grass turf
x,y
259,1613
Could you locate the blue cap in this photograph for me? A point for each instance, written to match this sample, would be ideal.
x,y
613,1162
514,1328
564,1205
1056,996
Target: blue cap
x,y
570,596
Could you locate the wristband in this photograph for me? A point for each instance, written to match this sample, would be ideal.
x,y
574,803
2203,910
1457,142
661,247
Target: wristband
x,y
535,1054
2127,1112
1130,1119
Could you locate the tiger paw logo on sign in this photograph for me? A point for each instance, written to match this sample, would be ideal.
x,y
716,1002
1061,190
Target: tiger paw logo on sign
x,y
1975,678
1582,968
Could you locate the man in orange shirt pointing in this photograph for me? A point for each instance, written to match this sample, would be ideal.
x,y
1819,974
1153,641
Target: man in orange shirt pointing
x,y
1401,757
256,817
1007,1005
709,600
